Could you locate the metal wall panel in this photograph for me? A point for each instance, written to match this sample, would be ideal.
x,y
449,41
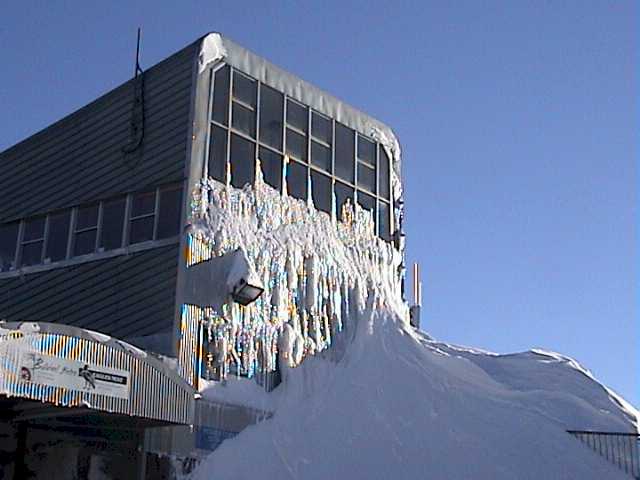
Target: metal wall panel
x,y
80,157
125,296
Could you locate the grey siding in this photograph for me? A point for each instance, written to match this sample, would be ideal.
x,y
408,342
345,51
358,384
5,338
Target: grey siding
x,y
80,158
125,296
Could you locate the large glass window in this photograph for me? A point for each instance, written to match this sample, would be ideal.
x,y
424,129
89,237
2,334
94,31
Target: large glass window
x,y
345,153
142,218
218,154
58,237
343,193
221,96
322,154
297,180
32,241
271,163
86,230
243,161
112,224
271,117
169,206
8,242
321,191
368,203
383,174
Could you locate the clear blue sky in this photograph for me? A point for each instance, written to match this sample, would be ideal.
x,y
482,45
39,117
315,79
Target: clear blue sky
x,y
519,123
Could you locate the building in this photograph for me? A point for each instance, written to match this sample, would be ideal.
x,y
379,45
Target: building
x,y
122,226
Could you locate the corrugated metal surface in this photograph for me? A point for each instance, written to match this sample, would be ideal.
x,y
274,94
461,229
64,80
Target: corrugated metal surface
x,y
125,296
152,387
79,158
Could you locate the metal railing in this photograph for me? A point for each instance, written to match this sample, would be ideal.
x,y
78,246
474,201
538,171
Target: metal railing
x,y
621,449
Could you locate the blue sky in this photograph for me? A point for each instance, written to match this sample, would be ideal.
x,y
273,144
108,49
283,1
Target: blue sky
x,y
518,120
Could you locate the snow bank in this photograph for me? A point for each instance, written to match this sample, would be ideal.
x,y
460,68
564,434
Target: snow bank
x,y
400,405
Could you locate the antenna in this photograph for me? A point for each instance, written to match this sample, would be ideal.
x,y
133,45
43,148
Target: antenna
x,y
136,132
137,68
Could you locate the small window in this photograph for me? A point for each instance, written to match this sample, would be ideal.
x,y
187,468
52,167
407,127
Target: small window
x,y
142,217
297,116
296,145
169,212
218,154
32,241
321,191
221,96
366,151
244,89
368,203
383,174
321,128
244,119
112,224
384,221
271,116
297,180
86,230
58,237
8,242
271,163
366,177
343,192
243,161
321,156
345,153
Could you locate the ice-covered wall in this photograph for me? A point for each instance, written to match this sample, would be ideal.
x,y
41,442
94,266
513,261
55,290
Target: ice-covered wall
x,y
312,265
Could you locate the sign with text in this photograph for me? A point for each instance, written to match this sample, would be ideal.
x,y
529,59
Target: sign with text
x,y
35,367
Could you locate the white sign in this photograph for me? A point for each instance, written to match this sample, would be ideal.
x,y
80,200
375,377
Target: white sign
x,y
35,367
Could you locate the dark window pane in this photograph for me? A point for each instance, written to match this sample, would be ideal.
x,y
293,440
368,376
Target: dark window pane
x,y
271,167
297,116
345,153
321,191
112,223
87,217
244,89
297,180
343,192
143,203
244,120
58,237
8,239
366,177
296,145
32,253
141,230
384,221
271,113
169,215
383,173
366,150
321,156
33,229
221,96
84,242
321,128
243,161
368,203
218,154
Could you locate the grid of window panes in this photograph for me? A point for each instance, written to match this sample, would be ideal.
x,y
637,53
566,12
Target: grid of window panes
x,y
93,228
251,120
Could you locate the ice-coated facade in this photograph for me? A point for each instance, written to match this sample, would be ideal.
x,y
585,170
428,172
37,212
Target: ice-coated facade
x,y
309,189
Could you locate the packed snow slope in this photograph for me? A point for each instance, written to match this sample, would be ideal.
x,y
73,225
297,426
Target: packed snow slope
x,y
399,405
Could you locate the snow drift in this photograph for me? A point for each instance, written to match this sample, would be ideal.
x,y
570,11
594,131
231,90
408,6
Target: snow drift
x,y
400,405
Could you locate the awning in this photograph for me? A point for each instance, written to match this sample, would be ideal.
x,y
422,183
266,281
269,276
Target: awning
x,y
65,366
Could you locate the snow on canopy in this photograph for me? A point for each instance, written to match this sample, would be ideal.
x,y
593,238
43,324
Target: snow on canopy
x,y
386,401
